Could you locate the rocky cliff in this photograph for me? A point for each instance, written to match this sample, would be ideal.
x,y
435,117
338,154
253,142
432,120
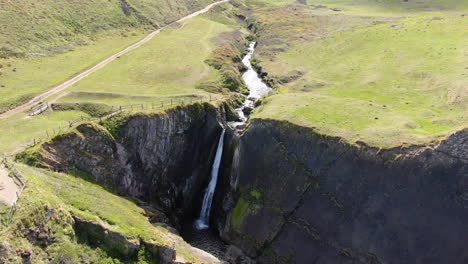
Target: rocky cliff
x,y
160,158
294,196
286,194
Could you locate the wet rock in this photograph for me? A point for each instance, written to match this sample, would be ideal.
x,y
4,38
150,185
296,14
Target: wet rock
x,y
247,109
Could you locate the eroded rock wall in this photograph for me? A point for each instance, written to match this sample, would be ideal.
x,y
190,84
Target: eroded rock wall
x,y
305,198
163,159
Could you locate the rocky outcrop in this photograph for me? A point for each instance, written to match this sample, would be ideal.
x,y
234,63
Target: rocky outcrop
x,y
117,245
161,158
295,196
286,194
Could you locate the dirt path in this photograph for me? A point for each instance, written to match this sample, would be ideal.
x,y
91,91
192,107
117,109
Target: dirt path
x,y
8,187
58,88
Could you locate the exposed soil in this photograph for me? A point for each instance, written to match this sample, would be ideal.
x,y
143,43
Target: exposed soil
x,y
8,187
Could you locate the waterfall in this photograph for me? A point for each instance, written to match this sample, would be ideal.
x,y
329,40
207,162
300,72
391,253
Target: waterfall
x,y
203,221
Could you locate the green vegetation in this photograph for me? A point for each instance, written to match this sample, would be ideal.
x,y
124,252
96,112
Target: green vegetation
x,y
394,6
239,212
170,66
386,80
64,197
92,109
58,23
67,37
22,78
18,130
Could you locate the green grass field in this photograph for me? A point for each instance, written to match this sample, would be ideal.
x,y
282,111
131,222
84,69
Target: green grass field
x,y
170,66
17,131
69,195
58,23
390,7
172,63
26,77
402,80
70,36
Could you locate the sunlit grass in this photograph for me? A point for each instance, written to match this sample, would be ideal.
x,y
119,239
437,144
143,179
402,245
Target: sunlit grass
x,y
402,81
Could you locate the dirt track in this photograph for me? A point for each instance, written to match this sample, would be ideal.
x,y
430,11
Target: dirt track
x,y
8,188
58,88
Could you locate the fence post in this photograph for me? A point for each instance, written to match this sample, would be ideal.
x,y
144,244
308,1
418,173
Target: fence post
x,y
162,103
47,133
142,106
120,108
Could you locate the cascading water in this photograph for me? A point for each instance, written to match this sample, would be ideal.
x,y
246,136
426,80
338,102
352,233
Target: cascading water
x,y
203,221
257,88
198,234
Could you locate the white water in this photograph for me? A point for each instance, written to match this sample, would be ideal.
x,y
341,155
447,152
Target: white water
x,y
203,221
257,88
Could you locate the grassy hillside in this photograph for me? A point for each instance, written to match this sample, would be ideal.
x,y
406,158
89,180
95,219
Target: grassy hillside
x,y
42,43
394,6
44,26
171,65
387,78
49,205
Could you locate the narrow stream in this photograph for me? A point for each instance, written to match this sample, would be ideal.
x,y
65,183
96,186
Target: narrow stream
x,y
257,89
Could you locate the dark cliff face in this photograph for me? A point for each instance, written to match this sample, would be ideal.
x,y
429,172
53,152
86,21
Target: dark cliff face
x,y
299,197
170,157
285,194
163,159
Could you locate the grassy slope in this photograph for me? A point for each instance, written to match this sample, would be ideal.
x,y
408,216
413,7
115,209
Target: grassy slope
x,y
16,131
171,64
28,77
69,196
59,22
60,29
395,82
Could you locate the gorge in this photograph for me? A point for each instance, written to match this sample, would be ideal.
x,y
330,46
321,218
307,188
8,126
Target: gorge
x,y
285,194
246,188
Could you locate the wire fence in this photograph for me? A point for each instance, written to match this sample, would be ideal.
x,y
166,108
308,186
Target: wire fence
x,y
161,104
168,103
